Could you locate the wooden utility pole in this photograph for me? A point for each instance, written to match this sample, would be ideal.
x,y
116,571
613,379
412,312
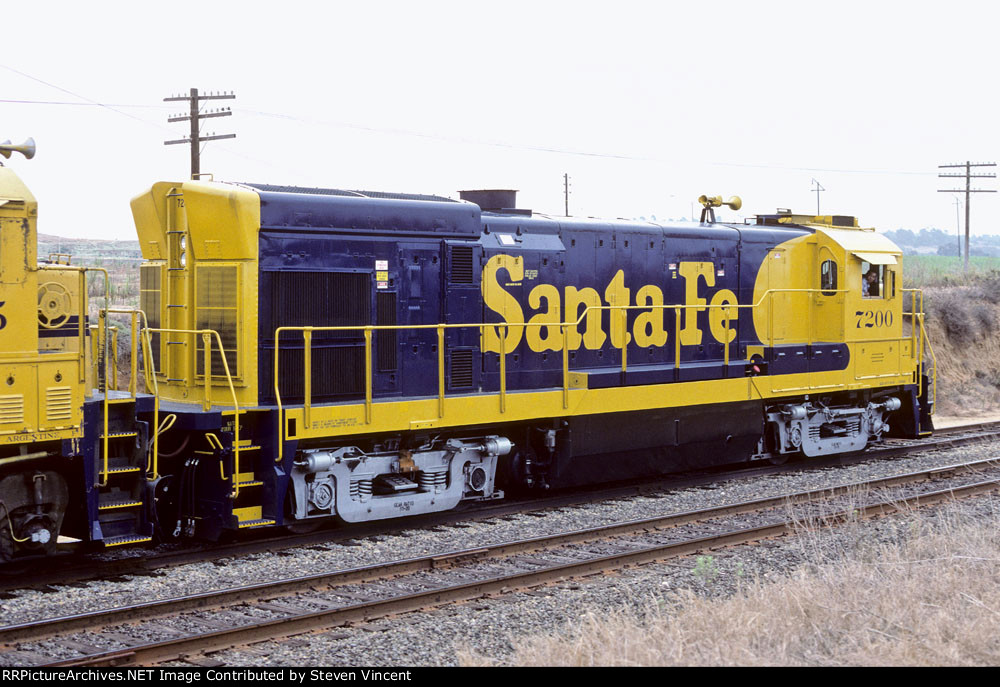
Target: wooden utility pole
x,y
566,192
816,191
195,116
968,176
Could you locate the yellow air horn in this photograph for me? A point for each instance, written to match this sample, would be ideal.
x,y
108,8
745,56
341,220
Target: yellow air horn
x,y
27,149
711,202
734,203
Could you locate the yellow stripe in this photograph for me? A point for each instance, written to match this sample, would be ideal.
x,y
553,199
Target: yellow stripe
x,y
394,416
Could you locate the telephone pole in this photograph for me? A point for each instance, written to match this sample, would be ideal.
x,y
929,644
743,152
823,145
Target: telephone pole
x,y
968,176
566,192
816,191
195,116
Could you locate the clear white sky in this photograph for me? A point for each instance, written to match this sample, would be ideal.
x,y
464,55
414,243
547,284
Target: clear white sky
x,y
645,104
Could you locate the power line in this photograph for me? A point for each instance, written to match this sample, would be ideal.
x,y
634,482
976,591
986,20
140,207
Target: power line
x,y
75,95
562,151
76,104
452,139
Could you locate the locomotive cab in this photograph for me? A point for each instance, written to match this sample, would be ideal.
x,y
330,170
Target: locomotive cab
x,y
847,332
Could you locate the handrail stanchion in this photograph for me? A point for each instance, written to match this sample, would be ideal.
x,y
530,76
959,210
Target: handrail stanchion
x,y
307,381
440,339
141,341
368,375
933,380
503,368
114,358
206,341
236,412
277,399
624,313
677,337
150,373
133,383
82,327
725,344
565,357
105,440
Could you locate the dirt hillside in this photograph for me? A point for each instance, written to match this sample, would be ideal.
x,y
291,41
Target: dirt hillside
x,y
962,326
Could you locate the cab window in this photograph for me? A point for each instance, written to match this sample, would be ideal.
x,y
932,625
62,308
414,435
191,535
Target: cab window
x,y
872,280
828,277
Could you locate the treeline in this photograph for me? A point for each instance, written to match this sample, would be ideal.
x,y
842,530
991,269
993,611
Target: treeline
x,y
938,242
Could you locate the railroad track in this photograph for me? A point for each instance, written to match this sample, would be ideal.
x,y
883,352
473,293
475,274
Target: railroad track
x,y
76,569
184,629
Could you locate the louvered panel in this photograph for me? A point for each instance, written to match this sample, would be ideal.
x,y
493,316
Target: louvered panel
x,y
461,265
461,369
12,409
58,405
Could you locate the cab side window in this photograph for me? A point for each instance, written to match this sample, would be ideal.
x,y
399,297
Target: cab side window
x,y
872,280
828,277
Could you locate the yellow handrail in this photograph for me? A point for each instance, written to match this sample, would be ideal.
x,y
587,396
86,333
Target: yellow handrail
x,y
502,329
148,374
103,482
930,347
207,335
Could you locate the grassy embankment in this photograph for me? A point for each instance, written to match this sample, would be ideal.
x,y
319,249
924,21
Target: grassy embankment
x,y
963,313
921,591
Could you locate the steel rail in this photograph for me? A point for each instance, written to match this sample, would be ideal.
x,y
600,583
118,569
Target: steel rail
x,y
66,571
180,648
221,598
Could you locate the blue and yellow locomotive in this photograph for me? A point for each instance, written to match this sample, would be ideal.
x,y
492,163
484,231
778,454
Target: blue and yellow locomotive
x,y
311,354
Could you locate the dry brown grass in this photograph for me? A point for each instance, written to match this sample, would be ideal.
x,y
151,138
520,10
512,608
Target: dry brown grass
x,y
931,599
961,324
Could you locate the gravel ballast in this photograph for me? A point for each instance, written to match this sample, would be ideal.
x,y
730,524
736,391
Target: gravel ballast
x,y
486,626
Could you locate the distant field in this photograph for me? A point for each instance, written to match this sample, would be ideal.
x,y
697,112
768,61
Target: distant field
x,y
944,270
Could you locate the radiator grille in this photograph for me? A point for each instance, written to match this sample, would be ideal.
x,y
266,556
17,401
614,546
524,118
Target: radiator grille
x,y
58,405
321,299
218,289
338,373
324,299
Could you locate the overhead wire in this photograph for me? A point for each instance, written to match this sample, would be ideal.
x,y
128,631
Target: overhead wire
x,y
431,136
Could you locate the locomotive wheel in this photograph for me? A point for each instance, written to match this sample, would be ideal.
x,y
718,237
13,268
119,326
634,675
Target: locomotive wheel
x,y
299,526
778,458
305,526
34,503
